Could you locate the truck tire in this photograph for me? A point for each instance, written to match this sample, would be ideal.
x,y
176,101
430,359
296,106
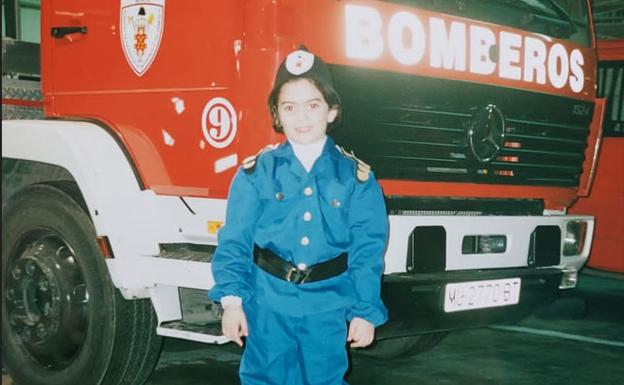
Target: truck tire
x,y
401,347
63,321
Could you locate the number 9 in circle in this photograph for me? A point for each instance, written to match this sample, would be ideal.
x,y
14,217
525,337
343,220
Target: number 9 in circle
x,y
219,122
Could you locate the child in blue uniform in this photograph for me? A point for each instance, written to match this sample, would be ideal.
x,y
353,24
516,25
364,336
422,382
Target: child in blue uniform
x,y
300,258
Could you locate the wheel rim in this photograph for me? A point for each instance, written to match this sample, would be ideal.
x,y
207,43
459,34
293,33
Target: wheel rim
x,y
46,298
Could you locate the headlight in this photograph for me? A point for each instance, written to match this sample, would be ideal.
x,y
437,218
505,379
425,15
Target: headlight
x,y
574,238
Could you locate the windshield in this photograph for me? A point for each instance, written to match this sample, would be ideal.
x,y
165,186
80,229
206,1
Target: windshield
x,y
562,19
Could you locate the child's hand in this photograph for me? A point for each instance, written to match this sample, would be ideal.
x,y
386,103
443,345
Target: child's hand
x,y
234,323
361,333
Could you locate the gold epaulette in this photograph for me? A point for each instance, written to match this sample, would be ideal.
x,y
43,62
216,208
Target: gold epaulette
x,y
362,170
249,163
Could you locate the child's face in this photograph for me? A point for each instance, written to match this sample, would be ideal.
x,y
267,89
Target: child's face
x,y
303,112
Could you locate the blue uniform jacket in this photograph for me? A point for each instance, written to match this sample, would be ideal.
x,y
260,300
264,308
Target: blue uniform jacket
x,y
305,218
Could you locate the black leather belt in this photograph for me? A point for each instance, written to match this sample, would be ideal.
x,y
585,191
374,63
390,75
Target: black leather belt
x,y
282,269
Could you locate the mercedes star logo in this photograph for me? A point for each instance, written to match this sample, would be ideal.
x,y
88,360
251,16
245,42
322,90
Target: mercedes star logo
x,y
486,133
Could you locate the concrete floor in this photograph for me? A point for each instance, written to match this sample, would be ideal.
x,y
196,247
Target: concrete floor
x,y
579,340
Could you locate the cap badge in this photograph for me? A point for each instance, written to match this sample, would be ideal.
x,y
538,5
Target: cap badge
x,y
299,62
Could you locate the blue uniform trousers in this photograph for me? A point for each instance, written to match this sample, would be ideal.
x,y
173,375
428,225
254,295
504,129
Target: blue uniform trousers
x,y
287,350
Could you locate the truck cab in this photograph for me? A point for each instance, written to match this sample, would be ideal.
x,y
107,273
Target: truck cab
x,y
479,119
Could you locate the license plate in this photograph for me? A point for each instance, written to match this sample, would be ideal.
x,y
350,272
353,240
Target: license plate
x,y
481,294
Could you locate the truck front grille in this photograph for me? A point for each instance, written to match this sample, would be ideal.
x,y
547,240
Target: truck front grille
x,y
410,127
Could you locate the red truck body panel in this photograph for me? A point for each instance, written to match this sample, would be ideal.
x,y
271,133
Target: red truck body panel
x,y
199,107
606,199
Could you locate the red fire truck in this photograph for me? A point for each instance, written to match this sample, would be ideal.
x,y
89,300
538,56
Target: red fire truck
x,y
479,118
609,181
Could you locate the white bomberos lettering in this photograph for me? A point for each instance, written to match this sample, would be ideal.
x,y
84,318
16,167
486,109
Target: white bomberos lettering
x,y
448,50
577,79
459,46
534,59
558,66
509,55
400,23
481,39
364,39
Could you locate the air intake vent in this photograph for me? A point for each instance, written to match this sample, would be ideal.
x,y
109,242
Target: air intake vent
x,y
545,246
426,250
416,128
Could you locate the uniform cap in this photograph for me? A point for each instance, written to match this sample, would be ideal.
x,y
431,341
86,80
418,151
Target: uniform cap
x,y
303,64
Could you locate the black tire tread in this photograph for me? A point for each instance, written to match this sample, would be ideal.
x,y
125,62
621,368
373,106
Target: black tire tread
x,y
136,347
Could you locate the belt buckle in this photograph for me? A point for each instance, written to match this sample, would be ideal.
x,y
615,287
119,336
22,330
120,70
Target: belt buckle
x,y
297,276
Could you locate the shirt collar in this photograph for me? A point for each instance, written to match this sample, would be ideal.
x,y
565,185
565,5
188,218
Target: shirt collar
x,y
308,153
285,150
311,148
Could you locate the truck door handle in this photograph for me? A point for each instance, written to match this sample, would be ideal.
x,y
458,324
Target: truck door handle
x,y
61,32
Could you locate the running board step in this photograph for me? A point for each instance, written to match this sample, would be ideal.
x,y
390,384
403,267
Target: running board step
x,y
187,251
207,333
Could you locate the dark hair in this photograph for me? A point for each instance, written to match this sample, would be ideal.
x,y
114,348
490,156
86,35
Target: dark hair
x,y
329,94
